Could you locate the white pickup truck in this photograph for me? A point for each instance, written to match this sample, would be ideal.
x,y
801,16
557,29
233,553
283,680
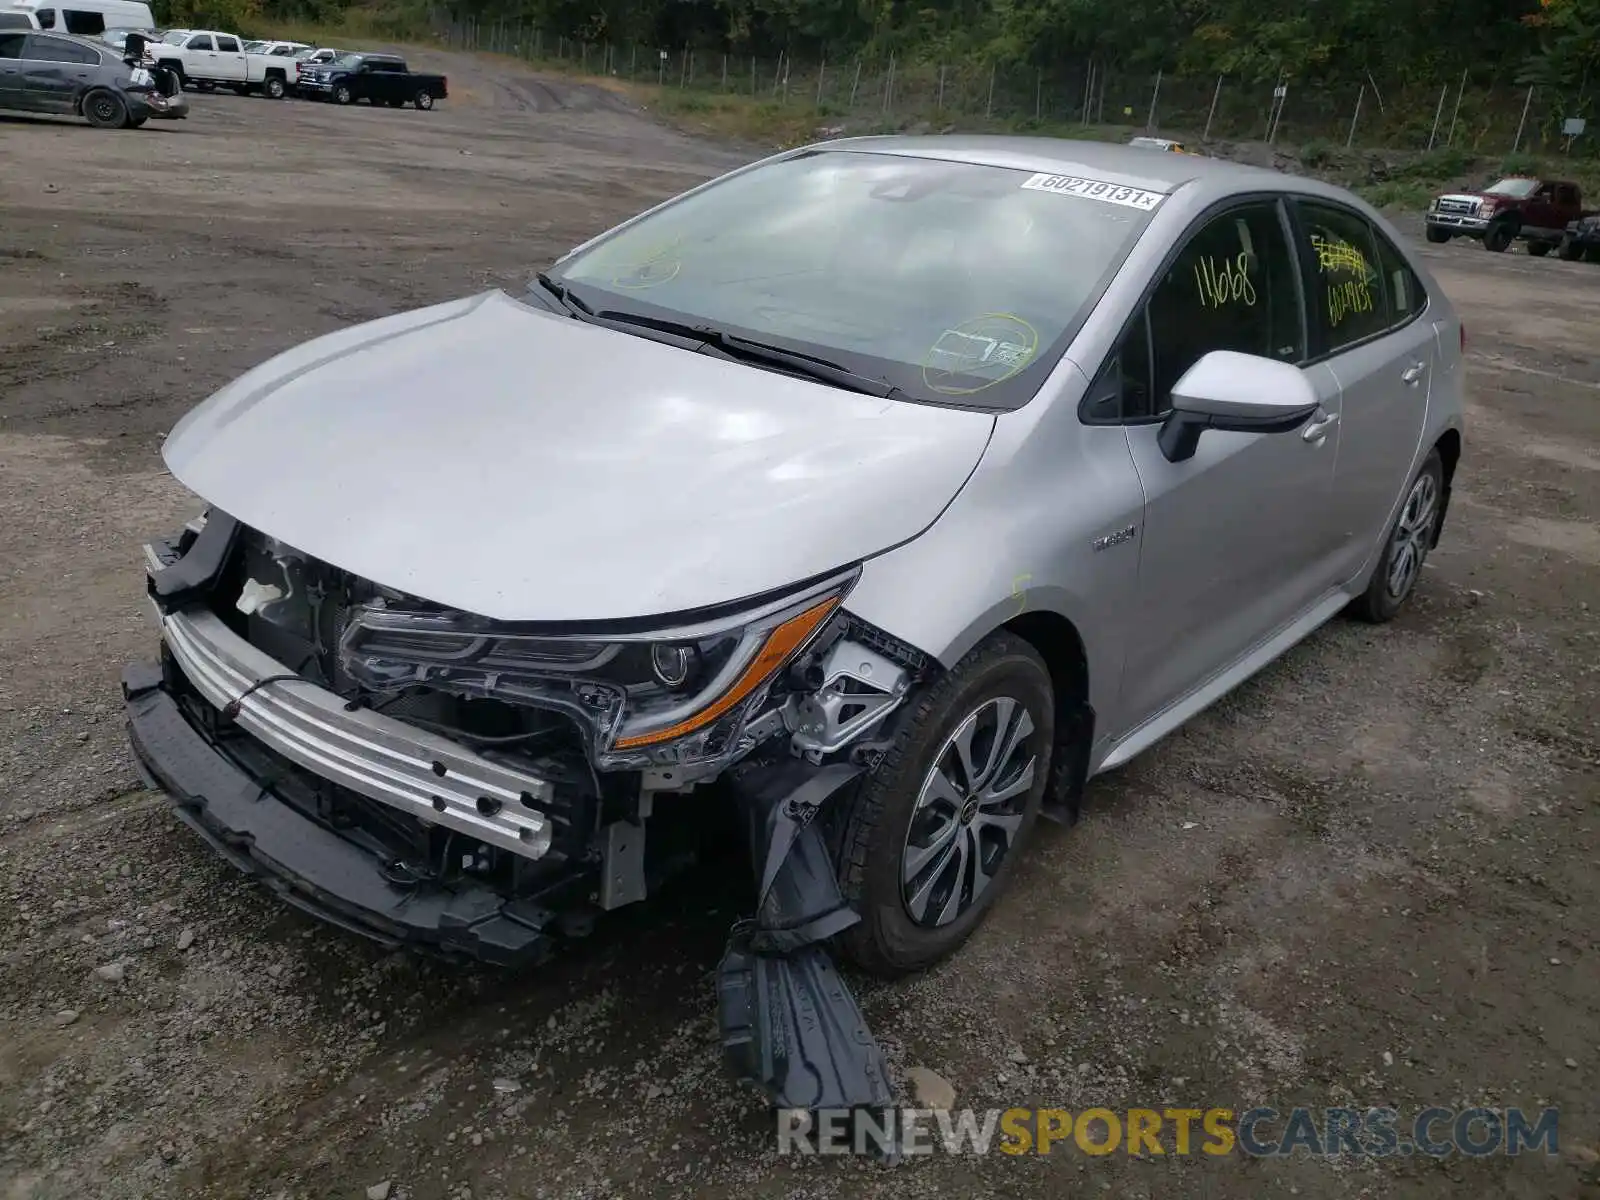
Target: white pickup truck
x,y
208,58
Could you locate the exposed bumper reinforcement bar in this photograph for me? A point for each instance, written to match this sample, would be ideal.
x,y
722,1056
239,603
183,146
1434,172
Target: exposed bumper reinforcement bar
x,y
409,769
306,864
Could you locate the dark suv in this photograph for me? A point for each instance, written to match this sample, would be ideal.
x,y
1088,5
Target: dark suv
x,y
59,73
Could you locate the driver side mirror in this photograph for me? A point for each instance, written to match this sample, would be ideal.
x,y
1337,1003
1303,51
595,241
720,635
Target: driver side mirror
x,y
1240,393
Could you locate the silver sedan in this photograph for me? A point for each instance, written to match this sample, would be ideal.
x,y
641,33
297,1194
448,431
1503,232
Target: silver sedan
x,y
900,483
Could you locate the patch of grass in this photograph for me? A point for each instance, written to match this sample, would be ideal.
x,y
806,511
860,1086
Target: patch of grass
x,y
1397,193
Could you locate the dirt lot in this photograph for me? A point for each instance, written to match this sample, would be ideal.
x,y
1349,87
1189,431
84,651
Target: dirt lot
x,y
1369,877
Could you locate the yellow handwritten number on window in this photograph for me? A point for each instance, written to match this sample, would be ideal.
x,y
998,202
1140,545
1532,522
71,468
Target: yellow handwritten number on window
x,y
1225,283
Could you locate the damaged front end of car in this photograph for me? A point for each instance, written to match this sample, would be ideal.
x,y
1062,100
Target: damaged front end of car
x,y
480,789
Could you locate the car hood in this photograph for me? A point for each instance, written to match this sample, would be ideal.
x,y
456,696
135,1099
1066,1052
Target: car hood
x,y
495,457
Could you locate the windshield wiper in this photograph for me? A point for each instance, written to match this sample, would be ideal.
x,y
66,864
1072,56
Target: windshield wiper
x,y
745,349
564,294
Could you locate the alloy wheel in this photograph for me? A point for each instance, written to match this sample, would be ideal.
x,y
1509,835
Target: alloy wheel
x,y
968,811
105,108
1412,532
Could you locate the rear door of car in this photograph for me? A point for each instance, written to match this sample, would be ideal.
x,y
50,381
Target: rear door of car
x,y
55,72
1366,305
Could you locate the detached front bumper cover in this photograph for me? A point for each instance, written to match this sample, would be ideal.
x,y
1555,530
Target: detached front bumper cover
x,y
790,1026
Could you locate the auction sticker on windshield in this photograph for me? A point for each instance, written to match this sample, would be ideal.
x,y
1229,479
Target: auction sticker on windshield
x,y
1095,189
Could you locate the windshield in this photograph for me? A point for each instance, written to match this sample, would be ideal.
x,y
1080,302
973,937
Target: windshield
x,y
253,47
956,283
174,37
347,60
1520,188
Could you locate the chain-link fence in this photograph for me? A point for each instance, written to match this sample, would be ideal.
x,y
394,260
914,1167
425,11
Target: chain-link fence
x,y
1474,115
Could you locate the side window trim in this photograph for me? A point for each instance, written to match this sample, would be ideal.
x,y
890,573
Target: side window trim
x,y
1141,310
1308,269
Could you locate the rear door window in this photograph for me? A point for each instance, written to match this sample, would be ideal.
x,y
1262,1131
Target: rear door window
x,y
228,44
49,49
47,18
1402,290
1345,286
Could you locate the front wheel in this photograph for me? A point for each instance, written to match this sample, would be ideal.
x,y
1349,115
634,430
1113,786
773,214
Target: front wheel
x,y
1406,548
272,88
1498,238
931,838
342,95
105,109
1437,235
424,99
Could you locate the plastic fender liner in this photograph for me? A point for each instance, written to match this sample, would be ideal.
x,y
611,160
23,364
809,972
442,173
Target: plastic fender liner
x,y
790,1025
193,575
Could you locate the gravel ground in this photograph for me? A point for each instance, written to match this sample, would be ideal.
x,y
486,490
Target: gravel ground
x,y
1368,877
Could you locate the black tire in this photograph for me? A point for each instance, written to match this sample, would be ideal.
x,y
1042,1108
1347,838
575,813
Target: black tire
x,y
343,95
1592,254
424,99
874,822
273,87
181,80
1539,249
1383,600
205,85
104,109
1499,236
135,122
1569,250
1437,235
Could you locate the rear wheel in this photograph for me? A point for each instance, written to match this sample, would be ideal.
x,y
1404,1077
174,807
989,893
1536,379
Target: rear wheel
x,y
342,95
1406,548
1498,237
1437,235
934,834
424,99
273,87
104,109
1569,250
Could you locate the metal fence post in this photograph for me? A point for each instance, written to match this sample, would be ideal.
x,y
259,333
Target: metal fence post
x,y
1360,96
1038,96
1088,90
1517,145
724,72
938,104
683,68
777,73
1211,115
1450,138
1438,115
1150,121
822,70
855,84
989,111
752,74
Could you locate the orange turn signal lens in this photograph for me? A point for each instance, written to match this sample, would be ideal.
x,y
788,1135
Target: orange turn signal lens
x,y
781,645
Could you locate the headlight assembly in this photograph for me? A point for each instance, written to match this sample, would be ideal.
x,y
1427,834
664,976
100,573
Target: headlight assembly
x,y
675,695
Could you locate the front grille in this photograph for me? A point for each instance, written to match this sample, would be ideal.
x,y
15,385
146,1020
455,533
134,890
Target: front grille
x,y
1462,207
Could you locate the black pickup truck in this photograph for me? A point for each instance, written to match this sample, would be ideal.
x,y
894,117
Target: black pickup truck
x,y
375,78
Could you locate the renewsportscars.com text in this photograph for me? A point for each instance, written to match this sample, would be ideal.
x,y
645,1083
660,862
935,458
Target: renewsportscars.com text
x,y
1257,1132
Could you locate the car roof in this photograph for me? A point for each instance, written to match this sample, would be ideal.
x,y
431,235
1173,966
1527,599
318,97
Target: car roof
x,y
1129,166
94,43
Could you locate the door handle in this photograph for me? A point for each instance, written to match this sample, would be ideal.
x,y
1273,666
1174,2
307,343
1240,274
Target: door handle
x,y
1319,427
1413,373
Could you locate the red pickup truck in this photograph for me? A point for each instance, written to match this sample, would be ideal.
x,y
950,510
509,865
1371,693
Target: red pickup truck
x,y
1536,210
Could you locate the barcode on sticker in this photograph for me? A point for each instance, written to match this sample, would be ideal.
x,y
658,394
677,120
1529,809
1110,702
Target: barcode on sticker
x,y
1095,189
